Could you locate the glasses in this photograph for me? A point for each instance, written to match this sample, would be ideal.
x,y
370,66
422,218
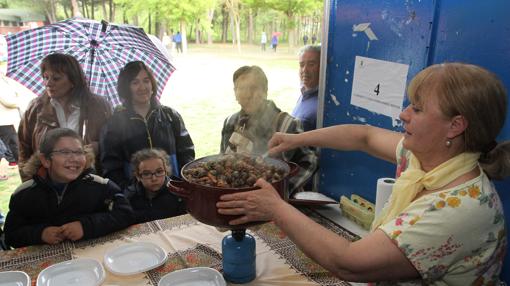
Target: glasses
x,y
148,175
66,153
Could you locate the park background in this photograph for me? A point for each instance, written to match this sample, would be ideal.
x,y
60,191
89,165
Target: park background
x,y
219,36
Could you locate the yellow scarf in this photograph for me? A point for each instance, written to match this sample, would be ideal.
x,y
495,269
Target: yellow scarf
x,y
414,179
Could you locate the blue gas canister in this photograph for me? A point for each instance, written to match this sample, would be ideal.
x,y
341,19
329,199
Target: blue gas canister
x,y
238,251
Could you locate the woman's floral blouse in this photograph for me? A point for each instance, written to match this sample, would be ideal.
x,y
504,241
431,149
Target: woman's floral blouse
x,y
453,237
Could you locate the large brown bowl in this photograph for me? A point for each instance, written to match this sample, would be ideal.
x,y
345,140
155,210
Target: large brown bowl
x,y
201,200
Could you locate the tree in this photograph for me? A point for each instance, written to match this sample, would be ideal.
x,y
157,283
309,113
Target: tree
x,y
293,8
74,8
233,8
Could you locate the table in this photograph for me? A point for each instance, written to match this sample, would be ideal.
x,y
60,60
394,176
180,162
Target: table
x,y
188,243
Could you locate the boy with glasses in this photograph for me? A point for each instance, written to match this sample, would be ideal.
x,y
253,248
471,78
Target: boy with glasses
x,y
64,200
149,195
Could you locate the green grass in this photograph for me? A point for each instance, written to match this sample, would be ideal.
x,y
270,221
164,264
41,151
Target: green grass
x,y
7,187
202,91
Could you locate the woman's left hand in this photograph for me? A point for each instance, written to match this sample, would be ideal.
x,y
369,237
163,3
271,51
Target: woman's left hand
x,y
257,205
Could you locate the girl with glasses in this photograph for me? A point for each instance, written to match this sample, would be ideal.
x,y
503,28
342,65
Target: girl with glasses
x,y
149,195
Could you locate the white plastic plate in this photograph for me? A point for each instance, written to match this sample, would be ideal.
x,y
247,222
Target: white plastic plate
x,y
14,278
198,276
133,258
76,272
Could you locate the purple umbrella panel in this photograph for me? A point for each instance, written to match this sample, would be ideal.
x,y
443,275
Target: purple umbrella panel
x,y
101,48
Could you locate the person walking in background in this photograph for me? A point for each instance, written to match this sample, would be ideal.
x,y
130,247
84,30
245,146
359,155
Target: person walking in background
x,y
274,42
141,122
149,195
263,41
305,40
66,102
4,154
178,42
314,39
64,200
167,42
309,70
9,121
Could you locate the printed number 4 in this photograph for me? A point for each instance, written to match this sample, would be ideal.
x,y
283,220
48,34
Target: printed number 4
x,y
376,90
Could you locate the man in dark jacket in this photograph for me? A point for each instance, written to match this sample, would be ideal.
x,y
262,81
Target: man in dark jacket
x,y
63,200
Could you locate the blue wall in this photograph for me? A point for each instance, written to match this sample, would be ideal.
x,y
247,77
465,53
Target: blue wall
x,y
417,33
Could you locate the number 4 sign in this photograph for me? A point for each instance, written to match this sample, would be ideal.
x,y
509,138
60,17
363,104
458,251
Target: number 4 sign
x,y
379,86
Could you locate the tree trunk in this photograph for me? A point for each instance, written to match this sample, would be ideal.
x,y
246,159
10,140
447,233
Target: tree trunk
x,y
197,31
291,31
103,5
84,10
184,38
251,33
210,17
238,33
66,11
112,11
50,11
150,23
75,9
92,9
224,26
233,7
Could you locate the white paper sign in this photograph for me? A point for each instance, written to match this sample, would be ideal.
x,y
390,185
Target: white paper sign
x,y
379,86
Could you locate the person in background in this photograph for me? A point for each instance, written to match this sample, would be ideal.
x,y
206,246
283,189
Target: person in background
x,y
178,42
141,122
263,41
309,70
274,42
11,115
167,42
444,222
4,154
314,39
64,200
66,102
149,195
305,39
249,130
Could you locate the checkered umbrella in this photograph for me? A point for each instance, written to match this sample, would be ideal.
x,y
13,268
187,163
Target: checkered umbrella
x,y
101,48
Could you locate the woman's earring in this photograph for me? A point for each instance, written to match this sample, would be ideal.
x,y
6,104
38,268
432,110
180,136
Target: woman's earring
x,y
448,143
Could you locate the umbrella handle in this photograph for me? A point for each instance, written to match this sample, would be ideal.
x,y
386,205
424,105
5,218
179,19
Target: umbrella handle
x,y
104,25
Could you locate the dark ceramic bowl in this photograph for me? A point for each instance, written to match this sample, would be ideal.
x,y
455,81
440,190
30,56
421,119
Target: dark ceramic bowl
x,y
201,199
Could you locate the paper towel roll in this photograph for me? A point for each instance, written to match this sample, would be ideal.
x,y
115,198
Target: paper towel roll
x,y
384,187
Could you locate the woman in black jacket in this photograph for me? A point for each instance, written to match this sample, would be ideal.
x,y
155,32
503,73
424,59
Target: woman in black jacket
x,y
63,200
149,195
140,123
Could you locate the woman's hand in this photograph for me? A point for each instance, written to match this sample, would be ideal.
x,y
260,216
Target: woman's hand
x,y
73,230
281,142
257,205
52,235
